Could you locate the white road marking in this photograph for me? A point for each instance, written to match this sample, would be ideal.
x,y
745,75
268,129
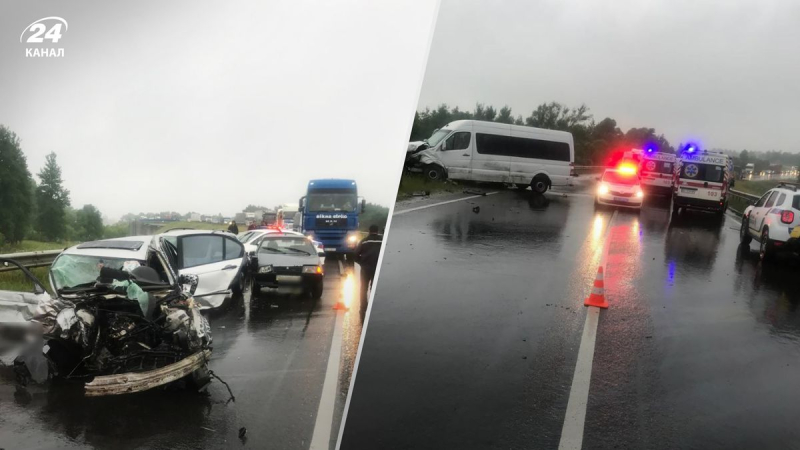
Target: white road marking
x,y
397,213
321,439
575,418
341,267
572,431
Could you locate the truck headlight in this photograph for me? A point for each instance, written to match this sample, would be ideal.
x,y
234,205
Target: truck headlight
x,y
352,239
312,269
265,269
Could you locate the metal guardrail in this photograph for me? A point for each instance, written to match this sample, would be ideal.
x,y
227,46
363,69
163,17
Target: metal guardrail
x,y
584,170
31,259
738,201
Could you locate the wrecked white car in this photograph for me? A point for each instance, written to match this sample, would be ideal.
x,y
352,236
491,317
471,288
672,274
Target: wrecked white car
x,y
118,325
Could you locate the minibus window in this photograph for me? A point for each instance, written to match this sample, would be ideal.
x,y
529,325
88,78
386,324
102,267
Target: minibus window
x,y
458,141
519,147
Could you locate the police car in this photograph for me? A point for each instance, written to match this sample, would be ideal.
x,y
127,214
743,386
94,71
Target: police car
x,y
701,181
773,221
620,187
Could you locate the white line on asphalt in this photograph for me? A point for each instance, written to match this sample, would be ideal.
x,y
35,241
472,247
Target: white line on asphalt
x,y
571,194
397,213
321,439
574,420
572,432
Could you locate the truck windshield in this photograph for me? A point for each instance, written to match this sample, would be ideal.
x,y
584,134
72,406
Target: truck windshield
x,y
437,137
332,202
702,172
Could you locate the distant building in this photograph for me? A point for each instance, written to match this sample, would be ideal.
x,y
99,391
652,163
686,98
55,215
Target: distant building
x,y
194,217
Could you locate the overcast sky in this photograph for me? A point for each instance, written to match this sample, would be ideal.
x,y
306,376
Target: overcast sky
x,y
724,72
209,106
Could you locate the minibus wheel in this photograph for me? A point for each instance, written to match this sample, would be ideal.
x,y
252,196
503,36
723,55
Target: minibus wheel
x,y
540,184
434,172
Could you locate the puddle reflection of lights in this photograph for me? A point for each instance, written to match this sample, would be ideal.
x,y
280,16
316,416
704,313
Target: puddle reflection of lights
x,y
348,290
671,272
597,228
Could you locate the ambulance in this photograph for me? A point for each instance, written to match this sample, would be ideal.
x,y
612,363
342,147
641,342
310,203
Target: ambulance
x,y
657,172
701,181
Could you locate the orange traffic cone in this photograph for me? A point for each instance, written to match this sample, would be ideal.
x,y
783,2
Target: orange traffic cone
x,y
598,296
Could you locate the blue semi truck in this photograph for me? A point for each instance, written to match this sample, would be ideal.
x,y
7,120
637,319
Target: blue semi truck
x,y
329,213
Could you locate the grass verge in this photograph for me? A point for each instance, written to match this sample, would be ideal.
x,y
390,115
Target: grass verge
x,y
411,183
34,246
758,187
15,280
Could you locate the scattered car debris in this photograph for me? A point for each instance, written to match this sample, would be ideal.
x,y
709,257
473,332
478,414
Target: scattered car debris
x,y
474,191
420,193
476,209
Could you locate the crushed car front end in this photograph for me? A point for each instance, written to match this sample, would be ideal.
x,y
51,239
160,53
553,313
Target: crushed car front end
x,y
131,330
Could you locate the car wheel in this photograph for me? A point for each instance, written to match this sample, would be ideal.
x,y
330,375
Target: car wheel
x,y
744,232
540,184
434,172
766,250
316,290
676,210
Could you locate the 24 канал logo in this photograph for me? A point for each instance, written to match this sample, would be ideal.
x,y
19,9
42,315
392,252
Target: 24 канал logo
x,y
47,31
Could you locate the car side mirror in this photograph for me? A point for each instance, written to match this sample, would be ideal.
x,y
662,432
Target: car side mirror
x,y
189,279
444,145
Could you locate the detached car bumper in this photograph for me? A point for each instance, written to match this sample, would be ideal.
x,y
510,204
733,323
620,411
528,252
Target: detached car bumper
x,y
127,383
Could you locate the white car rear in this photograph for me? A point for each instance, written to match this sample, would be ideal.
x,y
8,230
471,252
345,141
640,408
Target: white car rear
x,y
771,220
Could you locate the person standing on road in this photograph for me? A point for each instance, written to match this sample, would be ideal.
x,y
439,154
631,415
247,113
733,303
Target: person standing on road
x,y
366,255
233,228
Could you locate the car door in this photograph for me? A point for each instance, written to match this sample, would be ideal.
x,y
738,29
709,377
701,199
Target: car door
x,y
759,212
456,154
215,259
20,306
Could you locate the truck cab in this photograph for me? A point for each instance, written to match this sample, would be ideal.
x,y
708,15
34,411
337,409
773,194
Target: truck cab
x,y
329,213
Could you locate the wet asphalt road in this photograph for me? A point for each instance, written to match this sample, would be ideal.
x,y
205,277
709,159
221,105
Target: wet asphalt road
x,y
273,351
473,338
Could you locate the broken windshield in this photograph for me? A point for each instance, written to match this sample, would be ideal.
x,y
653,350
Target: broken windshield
x,y
437,137
71,271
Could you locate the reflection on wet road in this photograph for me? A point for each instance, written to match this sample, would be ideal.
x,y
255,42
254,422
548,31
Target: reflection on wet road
x,y
273,351
474,335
